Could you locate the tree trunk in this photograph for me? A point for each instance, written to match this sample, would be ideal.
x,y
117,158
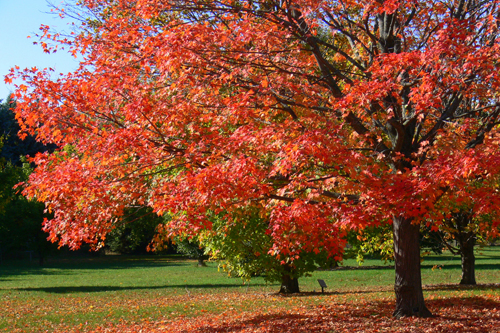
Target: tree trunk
x,y
408,284
468,261
289,284
466,239
201,261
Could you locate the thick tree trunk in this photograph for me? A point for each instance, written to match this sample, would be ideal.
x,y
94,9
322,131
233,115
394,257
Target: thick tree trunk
x,y
408,284
289,284
468,261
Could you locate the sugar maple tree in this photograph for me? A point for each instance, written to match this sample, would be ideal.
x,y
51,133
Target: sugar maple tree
x,y
326,115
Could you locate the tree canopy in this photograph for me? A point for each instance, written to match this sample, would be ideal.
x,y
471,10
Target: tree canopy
x,y
323,115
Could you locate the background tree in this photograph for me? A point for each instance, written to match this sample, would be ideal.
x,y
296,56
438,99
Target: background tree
x,y
461,228
187,107
14,149
470,221
460,233
372,241
20,219
378,242
244,247
192,248
135,231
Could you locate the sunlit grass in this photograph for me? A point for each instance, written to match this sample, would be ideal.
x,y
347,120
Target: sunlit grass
x,y
98,291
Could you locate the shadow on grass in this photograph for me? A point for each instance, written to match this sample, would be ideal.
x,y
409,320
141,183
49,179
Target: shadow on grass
x,y
64,266
459,267
451,315
447,265
487,286
96,289
361,268
5,273
325,294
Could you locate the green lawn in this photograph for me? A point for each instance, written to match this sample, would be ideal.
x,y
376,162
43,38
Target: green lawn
x,y
90,292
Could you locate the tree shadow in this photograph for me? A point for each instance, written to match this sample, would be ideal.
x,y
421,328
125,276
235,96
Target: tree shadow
x,y
457,259
447,264
362,268
6,272
486,286
325,294
473,302
458,266
453,315
64,266
96,289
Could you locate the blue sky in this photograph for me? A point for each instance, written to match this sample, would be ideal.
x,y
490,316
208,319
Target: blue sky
x,y
22,18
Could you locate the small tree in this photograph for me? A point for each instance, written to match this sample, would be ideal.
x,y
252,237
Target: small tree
x,y
243,245
371,241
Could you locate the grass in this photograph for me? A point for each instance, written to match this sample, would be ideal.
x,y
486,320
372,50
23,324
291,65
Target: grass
x,y
85,293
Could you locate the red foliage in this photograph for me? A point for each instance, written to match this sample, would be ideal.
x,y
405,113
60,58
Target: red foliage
x,y
324,115
185,115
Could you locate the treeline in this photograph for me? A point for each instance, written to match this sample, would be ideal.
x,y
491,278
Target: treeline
x,y
21,234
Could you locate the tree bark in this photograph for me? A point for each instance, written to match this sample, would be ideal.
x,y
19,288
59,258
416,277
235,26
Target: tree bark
x,y
289,284
408,284
201,261
468,261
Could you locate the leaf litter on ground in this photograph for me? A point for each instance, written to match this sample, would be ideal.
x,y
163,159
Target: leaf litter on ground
x,y
271,313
